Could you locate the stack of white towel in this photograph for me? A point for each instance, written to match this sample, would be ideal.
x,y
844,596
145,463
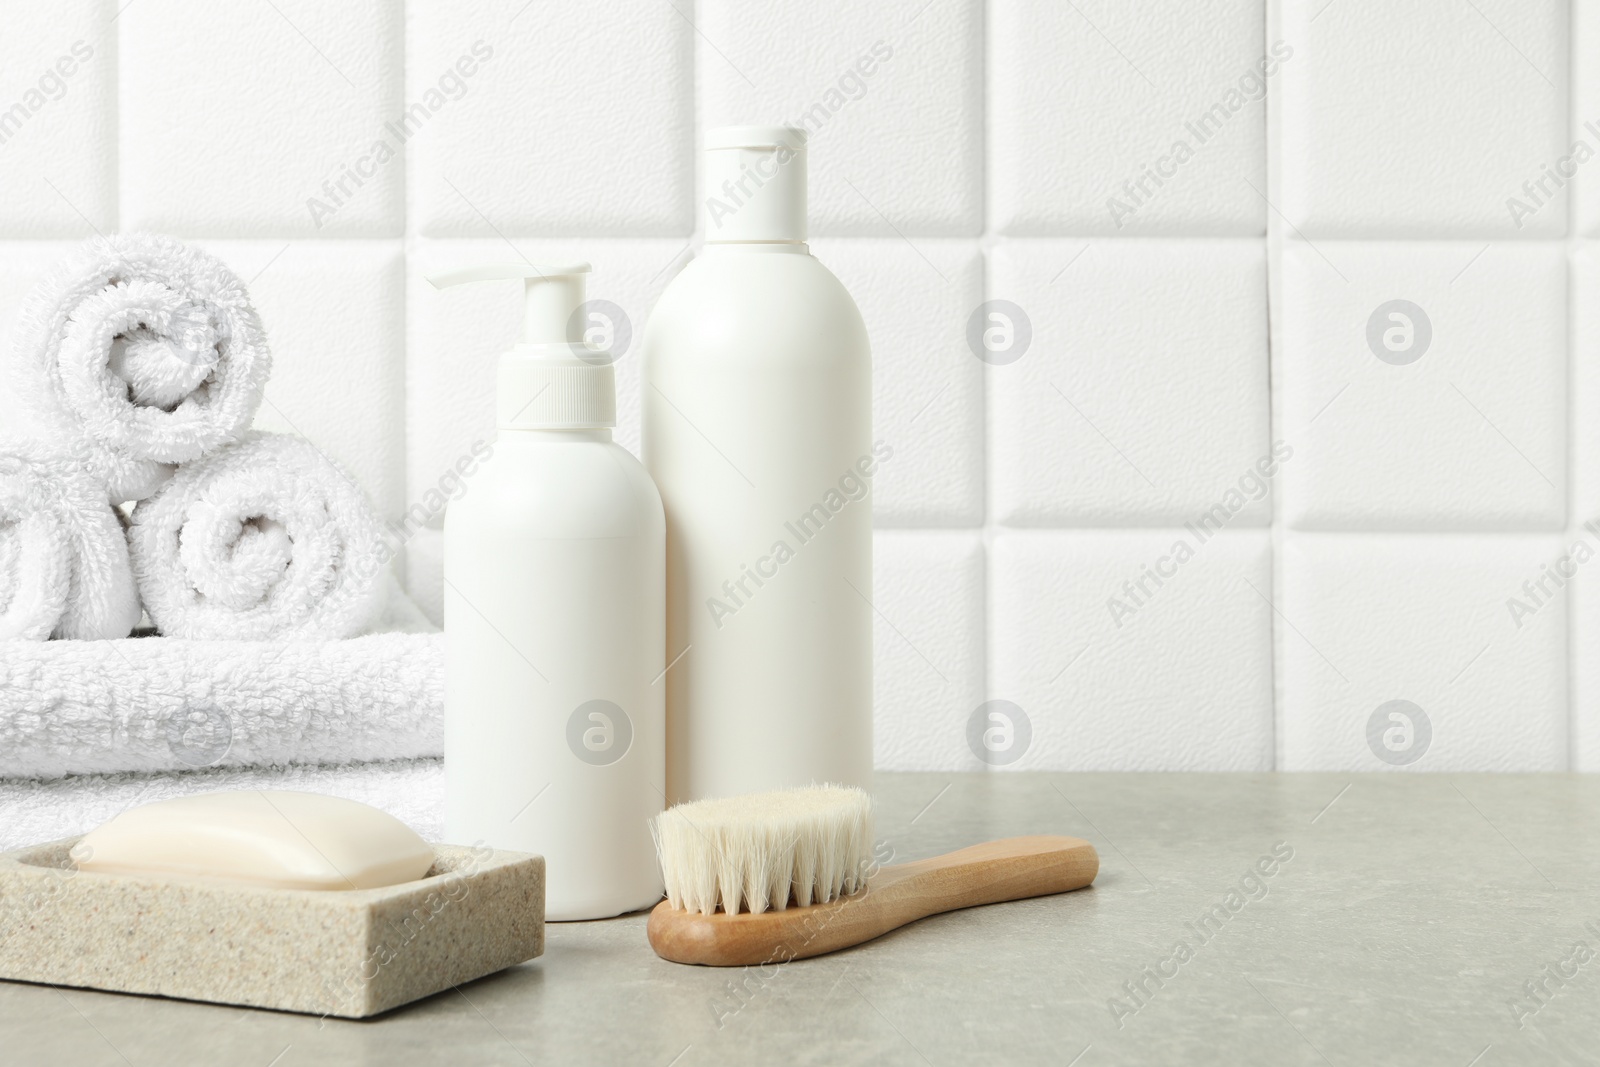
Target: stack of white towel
x,y
133,376
136,369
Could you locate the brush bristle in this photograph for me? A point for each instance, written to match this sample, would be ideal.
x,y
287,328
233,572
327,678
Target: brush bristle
x,y
759,852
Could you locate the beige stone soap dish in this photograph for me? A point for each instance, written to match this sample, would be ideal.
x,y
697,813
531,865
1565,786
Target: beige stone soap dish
x,y
350,953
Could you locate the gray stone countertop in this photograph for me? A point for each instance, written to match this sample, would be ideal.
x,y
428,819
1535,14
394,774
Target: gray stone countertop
x,y
1407,918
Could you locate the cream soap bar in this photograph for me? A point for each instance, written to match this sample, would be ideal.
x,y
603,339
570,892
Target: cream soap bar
x,y
254,837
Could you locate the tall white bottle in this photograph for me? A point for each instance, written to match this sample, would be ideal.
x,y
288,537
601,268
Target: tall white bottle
x,y
554,603
757,429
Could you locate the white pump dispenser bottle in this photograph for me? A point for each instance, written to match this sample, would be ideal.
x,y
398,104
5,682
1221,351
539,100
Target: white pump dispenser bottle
x,y
554,602
757,405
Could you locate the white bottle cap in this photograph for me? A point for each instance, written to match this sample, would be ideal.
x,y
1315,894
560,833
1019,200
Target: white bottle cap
x,y
755,184
553,379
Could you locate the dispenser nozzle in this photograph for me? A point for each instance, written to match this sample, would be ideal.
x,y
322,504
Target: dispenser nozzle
x,y
552,295
553,380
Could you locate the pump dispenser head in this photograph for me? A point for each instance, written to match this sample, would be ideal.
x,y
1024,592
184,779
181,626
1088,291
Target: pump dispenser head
x,y
553,379
755,185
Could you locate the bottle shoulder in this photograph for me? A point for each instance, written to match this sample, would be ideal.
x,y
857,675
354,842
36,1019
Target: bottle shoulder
x,y
581,490
725,275
729,300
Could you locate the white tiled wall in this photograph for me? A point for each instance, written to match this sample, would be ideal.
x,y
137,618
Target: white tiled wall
x,y
1219,514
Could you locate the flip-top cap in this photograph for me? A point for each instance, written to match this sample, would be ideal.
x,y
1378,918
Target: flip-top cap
x,y
755,184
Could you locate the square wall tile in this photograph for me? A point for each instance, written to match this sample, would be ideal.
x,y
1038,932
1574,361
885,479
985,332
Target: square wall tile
x,y
1575,575
927,387
550,119
262,120
1582,166
928,648
457,335
58,126
334,313
1139,119
891,94
1134,650
1424,653
1424,386
1411,118
1132,387
1586,382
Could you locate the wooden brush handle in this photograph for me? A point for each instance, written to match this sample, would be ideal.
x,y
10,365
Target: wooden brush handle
x,y
1011,869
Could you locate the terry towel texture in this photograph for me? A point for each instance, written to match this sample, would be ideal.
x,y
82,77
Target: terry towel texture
x,y
64,569
33,812
267,538
153,704
146,349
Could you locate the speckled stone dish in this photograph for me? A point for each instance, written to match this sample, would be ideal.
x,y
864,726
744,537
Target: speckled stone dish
x,y
351,953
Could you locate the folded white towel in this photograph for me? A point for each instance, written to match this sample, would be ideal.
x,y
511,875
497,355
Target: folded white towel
x,y
64,569
165,704
147,349
268,538
33,812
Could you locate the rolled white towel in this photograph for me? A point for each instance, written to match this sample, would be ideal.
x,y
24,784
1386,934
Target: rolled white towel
x,y
64,569
145,347
264,539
